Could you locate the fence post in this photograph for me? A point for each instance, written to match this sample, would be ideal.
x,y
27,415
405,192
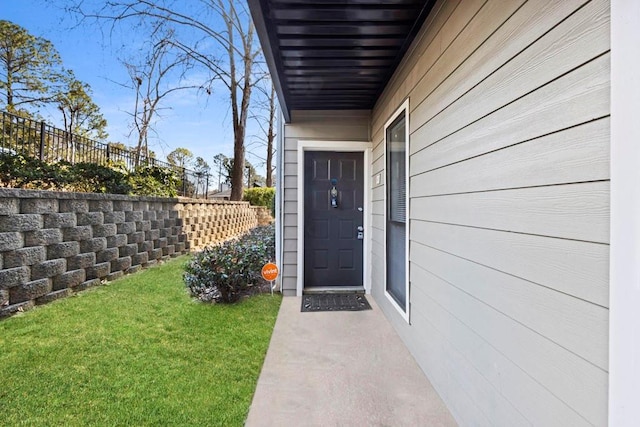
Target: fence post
x,y
108,152
42,139
184,182
206,193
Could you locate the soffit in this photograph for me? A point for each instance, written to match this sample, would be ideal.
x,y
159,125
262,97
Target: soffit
x,y
335,55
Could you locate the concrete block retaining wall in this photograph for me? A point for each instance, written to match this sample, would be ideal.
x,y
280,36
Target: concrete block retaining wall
x,y
53,244
207,222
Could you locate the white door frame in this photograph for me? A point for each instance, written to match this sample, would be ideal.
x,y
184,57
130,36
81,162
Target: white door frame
x,y
336,146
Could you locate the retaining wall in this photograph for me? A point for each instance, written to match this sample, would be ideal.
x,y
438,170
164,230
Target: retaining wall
x,y
53,244
207,221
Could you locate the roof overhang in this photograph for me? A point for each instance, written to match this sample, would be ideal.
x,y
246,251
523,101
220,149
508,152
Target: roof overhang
x,y
335,54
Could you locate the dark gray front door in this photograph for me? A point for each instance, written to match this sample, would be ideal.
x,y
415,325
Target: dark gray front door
x,y
333,232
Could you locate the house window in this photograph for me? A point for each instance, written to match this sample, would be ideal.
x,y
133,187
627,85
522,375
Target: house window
x,y
396,221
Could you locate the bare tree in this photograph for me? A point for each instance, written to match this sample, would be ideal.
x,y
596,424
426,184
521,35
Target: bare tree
x,y
232,62
159,74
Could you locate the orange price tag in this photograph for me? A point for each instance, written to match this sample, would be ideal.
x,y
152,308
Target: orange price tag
x,y
270,272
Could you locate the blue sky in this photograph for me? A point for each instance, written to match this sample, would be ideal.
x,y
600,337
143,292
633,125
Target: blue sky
x,y
199,122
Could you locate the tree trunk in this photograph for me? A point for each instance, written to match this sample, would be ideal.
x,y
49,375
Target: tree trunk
x,y
270,137
269,178
239,114
237,173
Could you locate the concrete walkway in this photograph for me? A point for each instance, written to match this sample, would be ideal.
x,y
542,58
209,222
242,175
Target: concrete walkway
x,y
341,369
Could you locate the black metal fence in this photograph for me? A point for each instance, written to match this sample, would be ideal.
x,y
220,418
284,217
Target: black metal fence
x,y
50,144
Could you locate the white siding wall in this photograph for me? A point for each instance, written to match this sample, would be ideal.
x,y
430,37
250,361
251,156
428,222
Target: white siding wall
x,y
310,126
509,210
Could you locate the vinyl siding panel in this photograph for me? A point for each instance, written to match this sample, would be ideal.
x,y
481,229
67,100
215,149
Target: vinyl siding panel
x,y
573,211
569,266
580,154
459,72
576,326
509,208
442,329
572,100
310,126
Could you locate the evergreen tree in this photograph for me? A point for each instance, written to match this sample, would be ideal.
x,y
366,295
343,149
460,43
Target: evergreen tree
x,y
180,157
30,69
81,116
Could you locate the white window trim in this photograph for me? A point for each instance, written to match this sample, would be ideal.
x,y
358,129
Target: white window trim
x,y
624,256
404,313
336,146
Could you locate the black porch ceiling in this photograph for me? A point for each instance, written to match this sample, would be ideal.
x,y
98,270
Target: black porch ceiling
x,y
332,54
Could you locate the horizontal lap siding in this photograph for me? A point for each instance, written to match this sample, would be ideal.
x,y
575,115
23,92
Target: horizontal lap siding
x,y
310,126
509,208
290,208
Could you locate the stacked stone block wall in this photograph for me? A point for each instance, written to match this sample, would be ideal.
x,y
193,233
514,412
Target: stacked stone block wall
x,y
53,244
263,215
207,222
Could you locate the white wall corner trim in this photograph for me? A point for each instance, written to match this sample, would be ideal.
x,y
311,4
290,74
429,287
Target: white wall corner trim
x,y
624,294
280,198
355,146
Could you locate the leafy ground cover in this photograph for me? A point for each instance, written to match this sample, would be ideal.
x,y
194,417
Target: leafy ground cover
x,y
138,351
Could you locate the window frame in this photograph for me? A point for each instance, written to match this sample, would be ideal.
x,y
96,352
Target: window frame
x,y
403,108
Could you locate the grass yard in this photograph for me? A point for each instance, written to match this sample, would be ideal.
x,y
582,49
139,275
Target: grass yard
x,y
137,351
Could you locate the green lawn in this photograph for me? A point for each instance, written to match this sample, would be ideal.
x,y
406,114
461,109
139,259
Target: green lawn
x,y
137,352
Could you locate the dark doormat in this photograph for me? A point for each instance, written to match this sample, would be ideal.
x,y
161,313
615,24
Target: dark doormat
x,y
335,302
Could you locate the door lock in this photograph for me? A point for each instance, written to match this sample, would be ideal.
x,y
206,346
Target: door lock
x,y
360,232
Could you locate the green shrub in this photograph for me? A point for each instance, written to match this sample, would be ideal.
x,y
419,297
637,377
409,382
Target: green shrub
x,y
260,196
154,181
264,196
225,272
20,171
93,178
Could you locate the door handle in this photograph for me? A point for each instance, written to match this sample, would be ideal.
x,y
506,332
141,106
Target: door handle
x,y
360,233
334,193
